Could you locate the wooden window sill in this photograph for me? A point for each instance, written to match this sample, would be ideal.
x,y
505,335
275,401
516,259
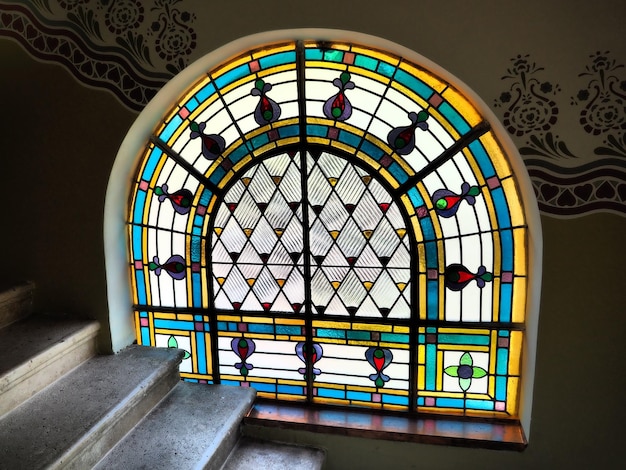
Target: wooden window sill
x,y
464,432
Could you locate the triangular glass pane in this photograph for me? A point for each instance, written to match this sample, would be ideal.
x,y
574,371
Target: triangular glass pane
x,y
333,214
263,237
321,288
321,241
219,253
233,236
368,309
293,288
245,211
336,307
292,237
384,240
335,257
265,287
248,255
368,259
351,290
350,240
280,256
281,304
385,292
235,286
401,258
251,303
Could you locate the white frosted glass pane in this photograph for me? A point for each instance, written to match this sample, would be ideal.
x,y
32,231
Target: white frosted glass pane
x,y
359,119
452,306
241,91
283,92
486,313
379,129
467,219
396,106
215,117
470,302
451,177
244,107
366,85
464,168
487,250
452,248
180,222
428,145
472,256
364,97
231,134
449,226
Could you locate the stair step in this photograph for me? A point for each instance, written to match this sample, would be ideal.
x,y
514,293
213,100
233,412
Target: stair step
x,y
254,453
36,351
16,301
195,426
79,418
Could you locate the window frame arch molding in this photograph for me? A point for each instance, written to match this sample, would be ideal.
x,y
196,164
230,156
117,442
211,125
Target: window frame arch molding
x,y
334,220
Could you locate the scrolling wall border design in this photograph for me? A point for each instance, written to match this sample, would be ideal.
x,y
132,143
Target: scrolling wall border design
x,y
603,102
128,47
531,112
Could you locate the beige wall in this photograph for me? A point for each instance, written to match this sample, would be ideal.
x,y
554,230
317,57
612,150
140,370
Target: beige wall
x,y
58,140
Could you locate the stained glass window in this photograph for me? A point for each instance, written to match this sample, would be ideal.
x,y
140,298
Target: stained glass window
x,y
330,223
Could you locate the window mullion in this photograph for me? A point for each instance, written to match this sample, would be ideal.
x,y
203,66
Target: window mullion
x,y
306,249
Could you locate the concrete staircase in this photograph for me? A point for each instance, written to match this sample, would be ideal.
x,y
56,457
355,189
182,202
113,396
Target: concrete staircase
x,y
63,406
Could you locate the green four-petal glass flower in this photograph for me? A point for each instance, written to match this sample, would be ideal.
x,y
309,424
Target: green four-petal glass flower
x,y
465,371
173,343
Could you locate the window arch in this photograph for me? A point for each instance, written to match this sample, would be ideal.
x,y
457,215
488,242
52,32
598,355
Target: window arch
x,y
331,222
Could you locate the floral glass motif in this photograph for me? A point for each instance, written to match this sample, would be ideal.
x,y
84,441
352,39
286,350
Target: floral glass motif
x,y
338,226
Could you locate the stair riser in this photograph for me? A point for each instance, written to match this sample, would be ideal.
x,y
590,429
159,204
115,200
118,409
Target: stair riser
x,y
116,424
16,303
219,454
29,378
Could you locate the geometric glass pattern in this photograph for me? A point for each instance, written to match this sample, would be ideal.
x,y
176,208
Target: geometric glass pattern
x,y
333,224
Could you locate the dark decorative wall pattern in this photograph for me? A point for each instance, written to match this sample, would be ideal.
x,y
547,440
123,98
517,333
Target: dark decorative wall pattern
x,y
133,47
130,47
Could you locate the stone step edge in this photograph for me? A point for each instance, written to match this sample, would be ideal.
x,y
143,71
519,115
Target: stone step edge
x,y
120,420
241,453
228,437
16,385
224,438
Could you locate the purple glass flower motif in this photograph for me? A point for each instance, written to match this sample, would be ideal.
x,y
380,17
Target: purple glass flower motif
x,y
175,266
447,203
379,359
458,276
316,355
212,144
243,348
402,139
338,107
267,111
181,200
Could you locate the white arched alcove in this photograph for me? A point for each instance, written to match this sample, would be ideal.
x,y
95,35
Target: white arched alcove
x,y
476,116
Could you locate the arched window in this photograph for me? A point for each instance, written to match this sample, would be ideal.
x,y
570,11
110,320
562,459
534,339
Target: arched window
x,y
329,221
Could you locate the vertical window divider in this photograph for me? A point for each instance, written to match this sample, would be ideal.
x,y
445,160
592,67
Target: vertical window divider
x,y
306,249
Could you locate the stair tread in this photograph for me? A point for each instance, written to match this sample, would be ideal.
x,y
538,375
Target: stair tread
x,y
190,428
256,453
22,340
79,403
